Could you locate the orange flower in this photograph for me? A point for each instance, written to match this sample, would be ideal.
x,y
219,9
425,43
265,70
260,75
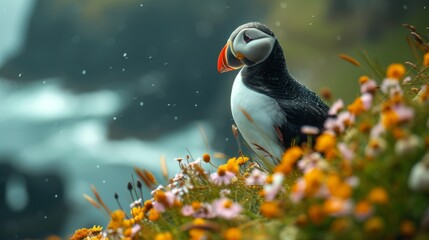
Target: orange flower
x,y
389,118
325,142
313,180
335,206
316,214
378,195
363,79
242,160
232,165
340,225
337,187
407,228
426,59
270,209
395,71
233,234
164,236
373,225
153,215
357,107
292,155
206,157
363,209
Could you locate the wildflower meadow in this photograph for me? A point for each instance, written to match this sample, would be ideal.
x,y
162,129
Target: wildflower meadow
x,y
366,176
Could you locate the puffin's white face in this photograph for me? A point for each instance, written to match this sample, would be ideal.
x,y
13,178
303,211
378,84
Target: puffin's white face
x,y
246,46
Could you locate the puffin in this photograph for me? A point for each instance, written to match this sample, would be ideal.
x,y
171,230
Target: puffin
x,y
268,105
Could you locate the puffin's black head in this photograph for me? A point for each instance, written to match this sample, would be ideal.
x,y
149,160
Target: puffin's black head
x,y
249,44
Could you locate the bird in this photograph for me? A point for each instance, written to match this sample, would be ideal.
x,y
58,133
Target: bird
x,y
268,105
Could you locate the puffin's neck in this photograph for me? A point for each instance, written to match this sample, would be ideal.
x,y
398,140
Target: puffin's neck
x,y
271,76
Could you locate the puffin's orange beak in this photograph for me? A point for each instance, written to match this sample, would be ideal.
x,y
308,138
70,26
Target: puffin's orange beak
x,y
227,61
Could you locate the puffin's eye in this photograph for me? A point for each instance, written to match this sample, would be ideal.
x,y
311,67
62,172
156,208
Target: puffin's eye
x,y
246,38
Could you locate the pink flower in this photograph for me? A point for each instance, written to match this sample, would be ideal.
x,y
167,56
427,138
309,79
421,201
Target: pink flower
x,y
198,210
298,191
390,86
334,125
222,177
225,208
256,177
368,87
310,161
404,113
366,100
377,130
309,130
336,107
271,189
170,198
345,152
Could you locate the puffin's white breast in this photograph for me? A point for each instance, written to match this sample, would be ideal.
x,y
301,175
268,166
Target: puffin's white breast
x,y
265,114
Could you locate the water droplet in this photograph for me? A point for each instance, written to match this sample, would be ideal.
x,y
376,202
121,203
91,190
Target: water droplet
x,y
339,38
46,179
153,84
83,72
150,57
226,139
114,118
310,24
104,181
283,5
168,105
61,131
197,92
56,196
141,4
125,55
313,16
98,166
196,105
111,67
19,75
123,69
278,23
141,103
166,63
44,82
175,118
405,7
46,217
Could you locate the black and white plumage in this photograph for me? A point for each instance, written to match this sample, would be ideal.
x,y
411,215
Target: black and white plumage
x,y
268,105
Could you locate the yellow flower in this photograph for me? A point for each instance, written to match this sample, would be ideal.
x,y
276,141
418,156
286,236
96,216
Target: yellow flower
x,y
270,209
206,157
395,71
292,155
197,233
363,79
340,225
127,232
337,187
232,165
373,225
81,234
164,236
378,195
233,234
153,215
242,160
357,107
325,142
117,215
426,59
389,118
363,209
334,206
313,180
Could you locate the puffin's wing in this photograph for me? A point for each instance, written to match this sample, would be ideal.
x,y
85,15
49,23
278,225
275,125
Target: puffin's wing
x,y
303,111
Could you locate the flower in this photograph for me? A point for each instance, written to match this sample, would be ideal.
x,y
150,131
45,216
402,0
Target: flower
x,y
309,130
346,153
313,180
206,157
222,176
325,142
395,71
226,209
419,176
363,210
310,161
375,147
336,107
198,210
316,214
256,177
378,195
164,236
368,87
373,225
407,228
426,59
337,206
273,186
153,215
242,160
164,200
233,234
271,209
407,144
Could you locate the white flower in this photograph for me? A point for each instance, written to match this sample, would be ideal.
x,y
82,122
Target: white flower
x,y
419,176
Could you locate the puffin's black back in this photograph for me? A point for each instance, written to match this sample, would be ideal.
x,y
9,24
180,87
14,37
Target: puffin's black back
x,y
300,105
